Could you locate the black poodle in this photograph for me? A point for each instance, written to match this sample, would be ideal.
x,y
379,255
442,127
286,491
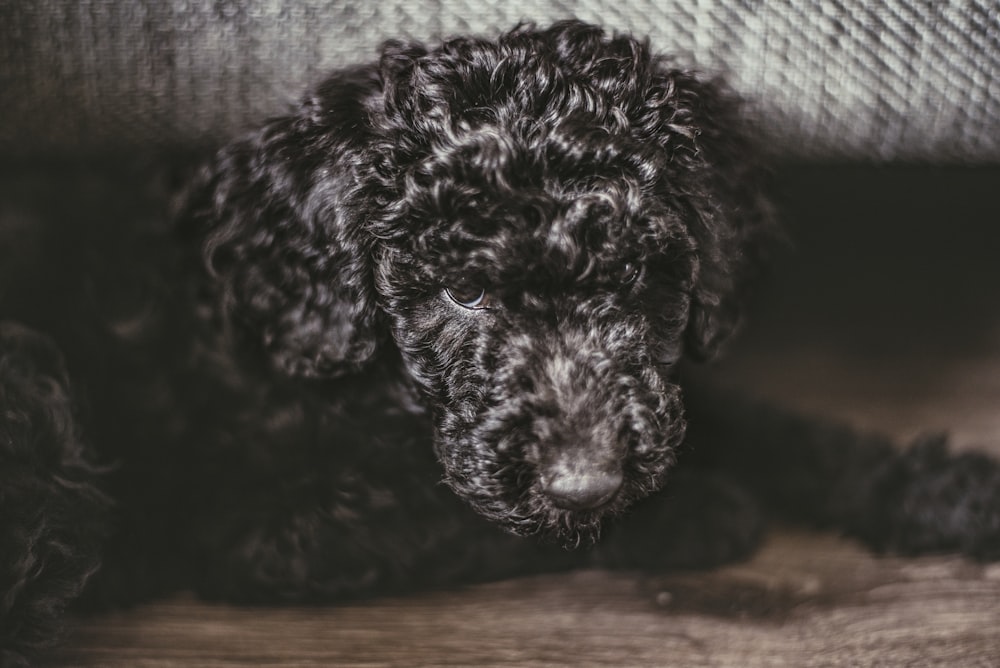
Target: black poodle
x,y
477,263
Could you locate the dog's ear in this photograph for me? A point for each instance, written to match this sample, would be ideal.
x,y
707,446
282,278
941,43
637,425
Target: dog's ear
x,y
279,219
718,178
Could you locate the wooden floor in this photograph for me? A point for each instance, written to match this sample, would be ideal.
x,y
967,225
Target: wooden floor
x,y
879,321
805,600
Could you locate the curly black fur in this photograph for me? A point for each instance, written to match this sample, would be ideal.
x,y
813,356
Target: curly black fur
x,y
479,262
52,514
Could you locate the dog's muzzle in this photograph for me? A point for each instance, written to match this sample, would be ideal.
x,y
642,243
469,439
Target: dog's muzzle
x,y
582,491
576,481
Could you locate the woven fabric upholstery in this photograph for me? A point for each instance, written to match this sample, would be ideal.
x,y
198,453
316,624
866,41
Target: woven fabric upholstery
x,y
829,79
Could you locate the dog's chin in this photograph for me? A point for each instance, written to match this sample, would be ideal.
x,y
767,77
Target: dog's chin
x,y
574,529
534,516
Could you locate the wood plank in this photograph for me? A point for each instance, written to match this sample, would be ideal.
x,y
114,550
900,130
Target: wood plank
x,y
804,600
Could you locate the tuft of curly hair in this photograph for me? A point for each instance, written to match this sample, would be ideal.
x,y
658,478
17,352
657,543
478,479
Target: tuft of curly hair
x,y
479,262
51,524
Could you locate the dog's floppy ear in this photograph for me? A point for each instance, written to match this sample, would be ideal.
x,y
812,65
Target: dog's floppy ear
x,y
279,219
717,176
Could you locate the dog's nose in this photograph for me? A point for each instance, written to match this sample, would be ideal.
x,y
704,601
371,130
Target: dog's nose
x,y
582,490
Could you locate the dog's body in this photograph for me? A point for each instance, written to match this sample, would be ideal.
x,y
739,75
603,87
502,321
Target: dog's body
x,y
478,263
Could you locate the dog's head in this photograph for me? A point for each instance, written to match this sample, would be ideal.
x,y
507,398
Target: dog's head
x,y
539,225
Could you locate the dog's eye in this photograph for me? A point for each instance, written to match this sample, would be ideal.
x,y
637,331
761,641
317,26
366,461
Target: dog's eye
x,y
629,272
469,296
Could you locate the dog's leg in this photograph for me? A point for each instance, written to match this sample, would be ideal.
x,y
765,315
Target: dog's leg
x,y
317,553
906,500
360,511
52,515
700,520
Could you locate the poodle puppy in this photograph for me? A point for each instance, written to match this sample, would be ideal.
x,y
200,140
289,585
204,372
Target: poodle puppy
x,y
479,264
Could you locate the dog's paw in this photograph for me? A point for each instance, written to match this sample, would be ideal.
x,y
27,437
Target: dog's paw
x,y
698,521
929,500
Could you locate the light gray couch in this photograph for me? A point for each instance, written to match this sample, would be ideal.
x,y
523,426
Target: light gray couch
x,y
896,80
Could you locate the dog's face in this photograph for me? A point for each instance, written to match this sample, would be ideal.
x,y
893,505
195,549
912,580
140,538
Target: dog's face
x,y
540,226
547,369
539,299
